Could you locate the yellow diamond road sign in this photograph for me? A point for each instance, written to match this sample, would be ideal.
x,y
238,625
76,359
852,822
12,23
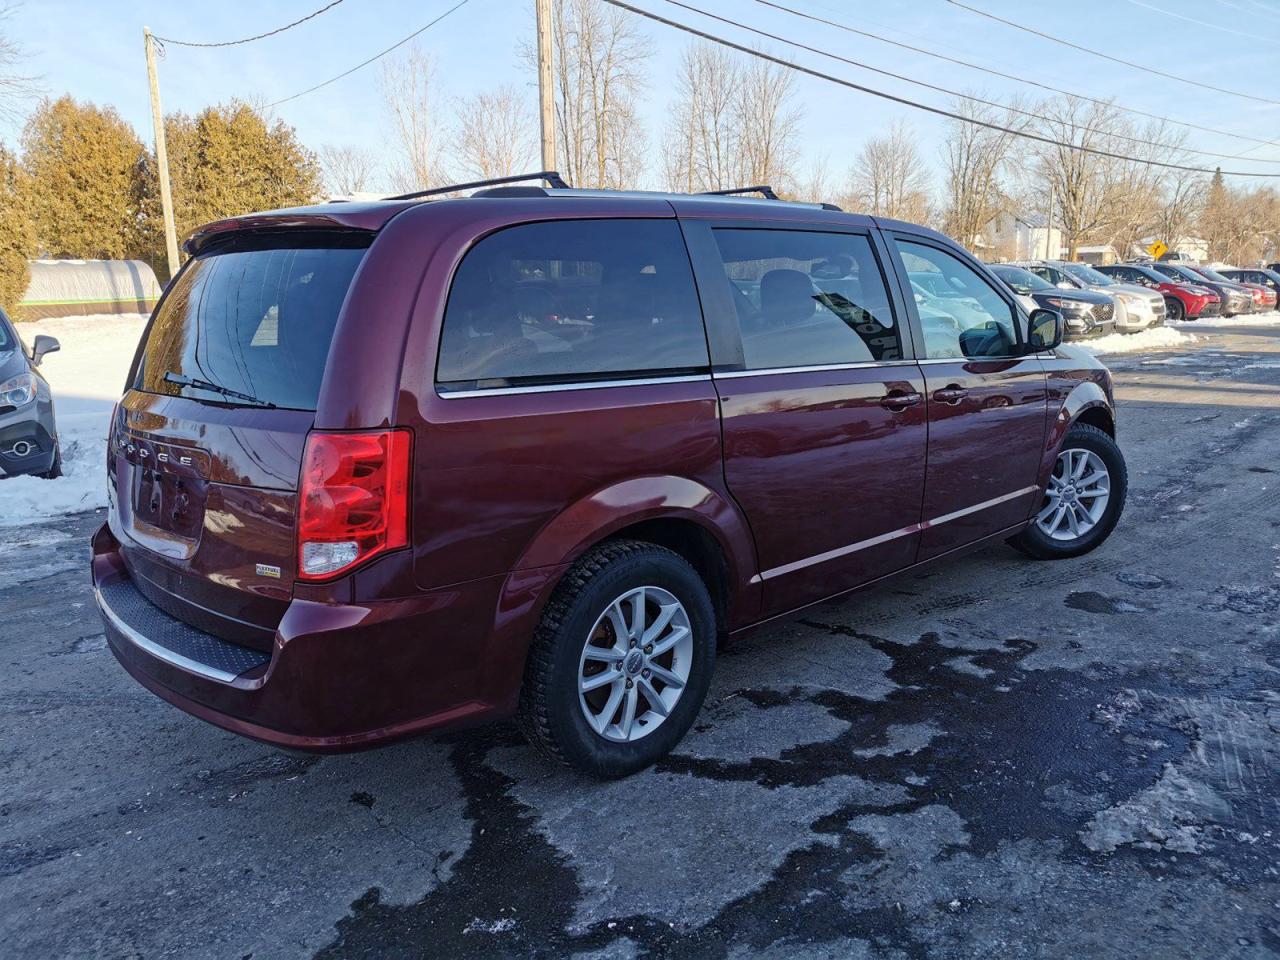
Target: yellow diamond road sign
x,y
1158,249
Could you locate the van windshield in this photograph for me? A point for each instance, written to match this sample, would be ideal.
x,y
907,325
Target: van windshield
x,y
251,323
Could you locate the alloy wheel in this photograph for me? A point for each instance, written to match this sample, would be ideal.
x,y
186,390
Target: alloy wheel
x,y
635,664
1076,497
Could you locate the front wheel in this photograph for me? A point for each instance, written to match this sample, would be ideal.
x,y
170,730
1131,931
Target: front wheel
x,y
55,468
1175,312
621,661
1083,499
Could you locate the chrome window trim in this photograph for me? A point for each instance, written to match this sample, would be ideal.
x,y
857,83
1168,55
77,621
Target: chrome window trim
x,y
159,652
571,385
838,552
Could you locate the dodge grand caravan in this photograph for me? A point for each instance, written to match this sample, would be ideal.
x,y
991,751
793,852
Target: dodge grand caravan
x,y
402,466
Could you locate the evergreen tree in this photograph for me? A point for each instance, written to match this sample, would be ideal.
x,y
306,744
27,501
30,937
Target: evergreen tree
x,y
83,162
17,235
224,162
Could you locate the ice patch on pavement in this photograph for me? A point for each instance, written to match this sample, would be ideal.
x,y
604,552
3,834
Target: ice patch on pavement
x,y
1153,339
87,376
1169,815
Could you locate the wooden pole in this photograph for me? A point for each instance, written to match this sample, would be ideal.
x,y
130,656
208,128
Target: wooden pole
x,y
162,155
546,103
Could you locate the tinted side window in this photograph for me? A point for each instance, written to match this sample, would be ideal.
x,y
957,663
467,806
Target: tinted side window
x,y
808,299
572,301
960,312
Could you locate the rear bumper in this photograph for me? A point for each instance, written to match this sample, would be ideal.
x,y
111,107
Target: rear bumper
x,y
339,677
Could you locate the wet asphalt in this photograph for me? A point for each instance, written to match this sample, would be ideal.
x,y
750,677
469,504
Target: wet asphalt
x,y
999,758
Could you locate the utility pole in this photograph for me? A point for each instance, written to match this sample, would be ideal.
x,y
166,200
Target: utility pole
x,y
547,105
1048,230
162,155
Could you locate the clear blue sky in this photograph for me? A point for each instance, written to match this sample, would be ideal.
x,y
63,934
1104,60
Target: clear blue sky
x,y
93,50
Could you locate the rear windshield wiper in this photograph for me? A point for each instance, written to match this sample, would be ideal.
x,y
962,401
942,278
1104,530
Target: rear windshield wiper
x,y
183,381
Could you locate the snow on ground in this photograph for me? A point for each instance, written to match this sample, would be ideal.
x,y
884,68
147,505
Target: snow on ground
x,y
1151,339
87,376
1269,319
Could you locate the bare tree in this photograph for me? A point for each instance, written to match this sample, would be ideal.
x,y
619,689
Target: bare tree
x,y
346,169
700,141
600,57
1136,192
889,179
816,186
1182,198
495,135
16,87
976,160
766,124
408,91
1084,184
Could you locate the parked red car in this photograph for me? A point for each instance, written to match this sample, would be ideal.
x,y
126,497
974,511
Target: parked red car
x,y
1183,301
395,467
1264,298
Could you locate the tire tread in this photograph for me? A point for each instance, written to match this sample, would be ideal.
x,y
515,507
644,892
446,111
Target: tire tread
x,y
532,714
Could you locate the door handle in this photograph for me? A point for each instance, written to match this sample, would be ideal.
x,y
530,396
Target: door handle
x,y
898,400
951,394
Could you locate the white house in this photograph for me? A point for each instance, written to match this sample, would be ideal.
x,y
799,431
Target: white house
x,y
1023,237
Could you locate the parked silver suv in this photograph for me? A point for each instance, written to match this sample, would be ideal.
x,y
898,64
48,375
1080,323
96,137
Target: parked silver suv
x,y
28,435
1137,308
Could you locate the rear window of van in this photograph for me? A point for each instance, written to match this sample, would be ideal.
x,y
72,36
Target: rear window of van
x,y
253,322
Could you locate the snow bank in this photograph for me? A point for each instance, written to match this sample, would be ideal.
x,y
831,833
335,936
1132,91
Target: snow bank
x,y
1152,339
87,376
1269,319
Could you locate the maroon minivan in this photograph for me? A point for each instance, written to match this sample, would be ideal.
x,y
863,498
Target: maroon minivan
x,y
395,467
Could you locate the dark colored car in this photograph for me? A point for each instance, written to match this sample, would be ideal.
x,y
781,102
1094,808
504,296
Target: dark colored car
x,y
1267,277
1087,314
1233,298
28,431
1137,307
1264,298
1183,299
404,466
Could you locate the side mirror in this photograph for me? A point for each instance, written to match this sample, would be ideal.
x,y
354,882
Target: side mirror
x,y
1045,330
43,345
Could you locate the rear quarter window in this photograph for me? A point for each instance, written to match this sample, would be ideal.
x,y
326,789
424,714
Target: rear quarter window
x,y
256,319
572,301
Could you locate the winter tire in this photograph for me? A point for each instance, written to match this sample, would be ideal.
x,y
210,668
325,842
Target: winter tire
x,y
621,660
1083,499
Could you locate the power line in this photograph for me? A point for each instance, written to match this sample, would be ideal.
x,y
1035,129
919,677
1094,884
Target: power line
x,y
1009,76
269,33
915,104
931,86
365,63
1202,23
1107,56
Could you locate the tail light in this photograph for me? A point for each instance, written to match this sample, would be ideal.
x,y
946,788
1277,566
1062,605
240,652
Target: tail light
x,y
353,500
